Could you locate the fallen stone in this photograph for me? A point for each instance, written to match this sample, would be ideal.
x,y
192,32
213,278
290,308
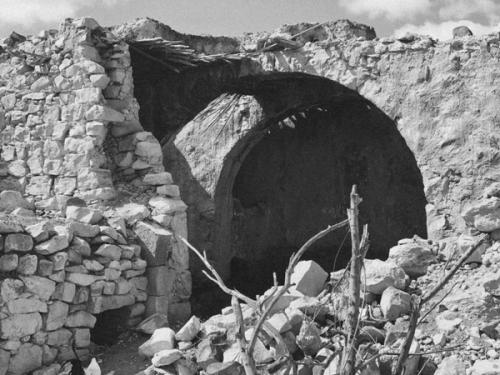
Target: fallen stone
x,y
380,275
448,321
225,368
412,257
162,339
152,323
166,357
190,330
484,215
394,303
308,278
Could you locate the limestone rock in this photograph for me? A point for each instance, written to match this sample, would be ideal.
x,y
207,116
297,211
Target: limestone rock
x,y
109,251
484,215
18,242
152,323
27,359
83,214
162,339
380,275
189,331
412,257
53,245
133,212
40,286
394,303
163,178
309,278
165,206
11,199
56,318
166,357
80,319
485,367
447,321
19,325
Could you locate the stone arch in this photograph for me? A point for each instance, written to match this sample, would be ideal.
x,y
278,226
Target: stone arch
x,y
254,119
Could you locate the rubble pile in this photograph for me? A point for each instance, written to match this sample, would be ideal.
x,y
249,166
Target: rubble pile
x,y
461,332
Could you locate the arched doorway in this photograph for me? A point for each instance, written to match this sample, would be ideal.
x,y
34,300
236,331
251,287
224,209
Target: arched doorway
x,y
270,162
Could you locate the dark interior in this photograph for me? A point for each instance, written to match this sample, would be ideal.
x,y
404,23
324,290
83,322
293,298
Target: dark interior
x,y
296,181
109,325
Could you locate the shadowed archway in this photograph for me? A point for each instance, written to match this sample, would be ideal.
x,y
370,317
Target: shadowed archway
x,y
271,161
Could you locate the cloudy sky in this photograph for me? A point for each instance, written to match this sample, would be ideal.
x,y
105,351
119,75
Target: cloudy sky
x,y
233,17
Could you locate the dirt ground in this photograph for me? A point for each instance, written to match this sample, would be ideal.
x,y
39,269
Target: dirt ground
x,y
122,358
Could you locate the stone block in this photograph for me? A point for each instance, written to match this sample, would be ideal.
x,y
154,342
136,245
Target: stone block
x,y
11,289
156,242
412,257
26,306
109,251
27,264
56,243
40,286
81,319
157,304
8,262
309,278
82,337
18,242
56,318
20,325
98,304
160,280
162,178
60,337
27,359
380,275
83,214
65,291
166,206
394,303
45,267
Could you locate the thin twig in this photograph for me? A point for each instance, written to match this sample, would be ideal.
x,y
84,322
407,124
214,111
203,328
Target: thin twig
x,y
405,349
436,304
288,274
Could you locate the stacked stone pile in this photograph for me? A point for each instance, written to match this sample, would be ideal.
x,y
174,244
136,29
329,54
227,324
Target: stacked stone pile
x,y
55,276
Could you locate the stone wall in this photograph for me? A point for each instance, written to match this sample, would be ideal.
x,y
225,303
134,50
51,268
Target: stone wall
x,y
55,276
69,128
442,94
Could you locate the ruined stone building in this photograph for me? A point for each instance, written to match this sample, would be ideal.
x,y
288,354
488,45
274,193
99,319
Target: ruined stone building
x,y
115,143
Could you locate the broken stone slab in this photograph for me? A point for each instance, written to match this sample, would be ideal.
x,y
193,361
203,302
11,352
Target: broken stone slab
x,y
309,278
152,323
394,303
412,257
380,275
166,357
162,339
190,330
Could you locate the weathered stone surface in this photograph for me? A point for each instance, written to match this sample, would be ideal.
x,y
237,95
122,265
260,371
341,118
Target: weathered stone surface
x,y
166,206
152,323
189,331
18,242
394,303
56,318
380,275
83,279
26,305
109,251
412,257
53,245
28,358
60,337
98,304
40,286
8,262
308,278
485,367
17,326
27,264
162,339
80,319
163,178
166,357
11,199
83,214
484,215
156,241
133,212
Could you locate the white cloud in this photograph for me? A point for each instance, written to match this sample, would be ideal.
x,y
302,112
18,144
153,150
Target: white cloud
x,y
29,12
463,9
443,30
390,9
